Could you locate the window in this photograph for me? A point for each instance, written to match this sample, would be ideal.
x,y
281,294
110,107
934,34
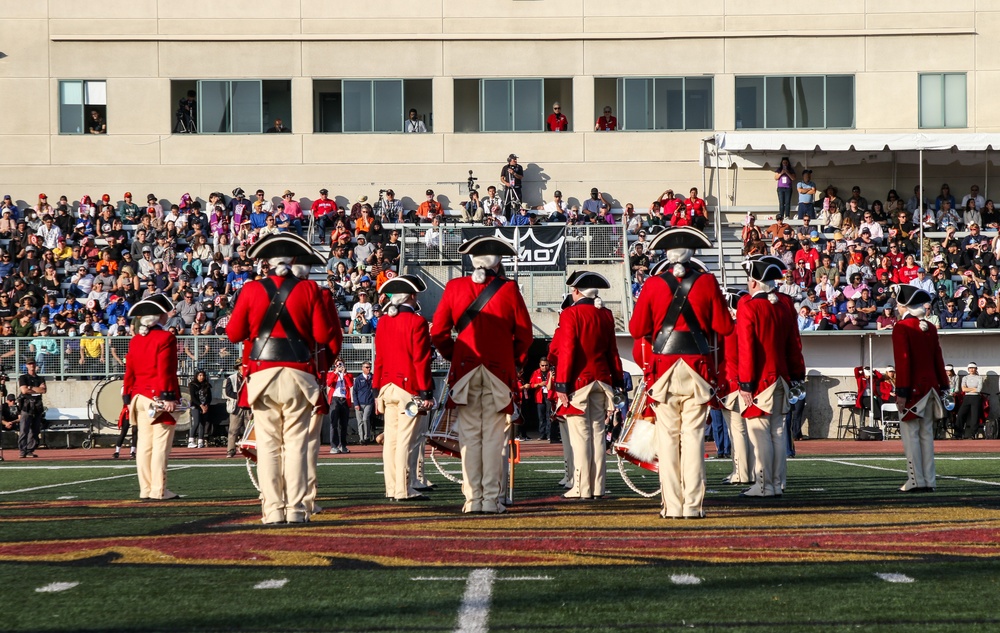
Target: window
x,y
807,102
657,103
370,105
230,106
79,100
943,100
509,105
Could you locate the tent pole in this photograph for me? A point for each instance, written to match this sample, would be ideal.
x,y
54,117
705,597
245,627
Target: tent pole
x,y
920,204
986,175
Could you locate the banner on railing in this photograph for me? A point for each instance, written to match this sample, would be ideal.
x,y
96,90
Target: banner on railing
x,y
539,248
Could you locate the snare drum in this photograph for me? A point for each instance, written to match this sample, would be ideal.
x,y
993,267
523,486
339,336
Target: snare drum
x,y
637,443
443,435
248,445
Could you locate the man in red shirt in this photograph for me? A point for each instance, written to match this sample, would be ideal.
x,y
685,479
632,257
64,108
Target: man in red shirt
x,y
323,211
697,211
557,121
429,207
541,383
492,341
151,375
402,373
809,255
606,123
277,320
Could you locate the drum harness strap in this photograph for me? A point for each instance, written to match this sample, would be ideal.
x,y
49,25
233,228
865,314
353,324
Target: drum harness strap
x,y
480,302
291,348
690,342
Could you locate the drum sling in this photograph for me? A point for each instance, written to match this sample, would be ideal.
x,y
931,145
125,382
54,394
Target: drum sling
x,y
672,341
480,302
267,348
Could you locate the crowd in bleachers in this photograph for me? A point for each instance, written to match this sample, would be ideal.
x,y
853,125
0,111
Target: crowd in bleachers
x,y
844,257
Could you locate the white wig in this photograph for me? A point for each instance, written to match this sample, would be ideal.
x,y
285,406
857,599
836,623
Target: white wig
x,y
679,255
397,300
918,311
282,267
481,263
148,321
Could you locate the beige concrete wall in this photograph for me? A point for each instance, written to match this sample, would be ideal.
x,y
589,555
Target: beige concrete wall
x,y
140,47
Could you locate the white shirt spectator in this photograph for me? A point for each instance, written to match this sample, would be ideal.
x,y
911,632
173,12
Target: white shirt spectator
x,y
874,228
551,207
49,235
926,284
432,238
980,201
84,282
364,307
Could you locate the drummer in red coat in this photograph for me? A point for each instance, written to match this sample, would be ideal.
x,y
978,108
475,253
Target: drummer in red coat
x,y
679,311
770,360
589,370
920,381
151,375
278,319
402,375
492,341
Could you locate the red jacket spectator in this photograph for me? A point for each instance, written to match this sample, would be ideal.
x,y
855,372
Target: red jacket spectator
x,y
810,256
557,122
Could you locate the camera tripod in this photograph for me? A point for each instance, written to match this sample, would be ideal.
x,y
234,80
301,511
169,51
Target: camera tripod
x,y
511,198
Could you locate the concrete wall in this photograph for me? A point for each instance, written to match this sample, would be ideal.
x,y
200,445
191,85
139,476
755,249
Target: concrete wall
x,y
138,48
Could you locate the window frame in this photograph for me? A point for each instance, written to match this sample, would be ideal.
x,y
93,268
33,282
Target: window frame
x,y
229,106
511,104
84,105
944,101
795,102
652,107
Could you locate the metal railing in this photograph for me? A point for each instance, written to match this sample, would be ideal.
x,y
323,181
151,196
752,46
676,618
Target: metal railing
x,y
97,358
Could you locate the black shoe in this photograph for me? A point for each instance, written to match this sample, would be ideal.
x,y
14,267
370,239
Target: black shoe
x,y
32,455
416,498
114,455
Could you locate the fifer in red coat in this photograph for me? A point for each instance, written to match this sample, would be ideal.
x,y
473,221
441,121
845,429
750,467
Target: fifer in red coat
x,y
151,366
403,354
769,346
588,350
918,360
497,339
709,308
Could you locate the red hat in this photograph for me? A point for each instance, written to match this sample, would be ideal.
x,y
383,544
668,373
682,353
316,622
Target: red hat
x,y
105,197
42,196
128,194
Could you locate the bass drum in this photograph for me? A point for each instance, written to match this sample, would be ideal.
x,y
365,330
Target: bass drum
x,y
106,402
107,405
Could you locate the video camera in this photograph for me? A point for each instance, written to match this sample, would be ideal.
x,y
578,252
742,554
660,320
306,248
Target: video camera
x,y
472,184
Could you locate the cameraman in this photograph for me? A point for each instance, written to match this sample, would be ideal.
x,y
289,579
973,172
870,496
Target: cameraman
x,y
32,387
185,114
511,176
472,211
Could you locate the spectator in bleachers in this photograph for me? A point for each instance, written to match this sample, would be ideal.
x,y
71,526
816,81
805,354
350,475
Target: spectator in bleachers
x,y
886,320
806,195
945,196
947,216
789,287
522,218
851,319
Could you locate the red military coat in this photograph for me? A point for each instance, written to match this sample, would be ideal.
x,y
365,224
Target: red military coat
x,y
917,357
403,354
325,355
769,346
307,308
151,366
498,337
710,309
862,380
588,350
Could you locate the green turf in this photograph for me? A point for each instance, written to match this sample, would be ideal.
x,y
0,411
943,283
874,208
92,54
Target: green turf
x,y
952,590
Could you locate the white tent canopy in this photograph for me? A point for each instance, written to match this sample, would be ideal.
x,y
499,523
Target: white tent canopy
x,y
740,142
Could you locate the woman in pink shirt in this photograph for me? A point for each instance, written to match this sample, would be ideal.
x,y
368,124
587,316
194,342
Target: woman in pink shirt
x,y
293,210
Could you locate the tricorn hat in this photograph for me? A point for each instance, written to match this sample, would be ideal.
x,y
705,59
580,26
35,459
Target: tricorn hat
x,y
285,245
584,279
404,284
733,296
909,296
487,245
566,302
764,268
151,306
680,237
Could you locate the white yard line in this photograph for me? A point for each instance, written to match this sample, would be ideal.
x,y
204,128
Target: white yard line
x,y
82,481
56,587
895,578
474,614
685,579
271,584
902,470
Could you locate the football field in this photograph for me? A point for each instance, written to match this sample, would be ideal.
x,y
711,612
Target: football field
x,y
842,550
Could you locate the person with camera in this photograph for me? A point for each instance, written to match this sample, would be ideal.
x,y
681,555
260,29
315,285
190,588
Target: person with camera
x,y
402,380
186,114
472,211
8,410
31,388
511,176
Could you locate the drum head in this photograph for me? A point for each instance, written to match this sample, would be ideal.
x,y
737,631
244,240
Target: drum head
x,y
183,420
108,402
248,445
444,433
